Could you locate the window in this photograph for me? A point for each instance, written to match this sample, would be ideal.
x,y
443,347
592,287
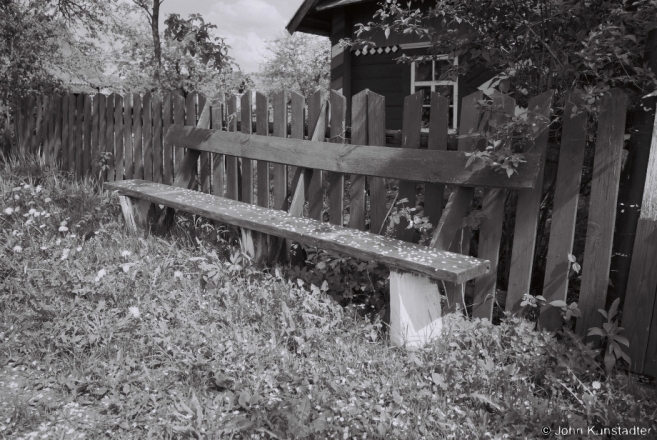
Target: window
x,y
424,76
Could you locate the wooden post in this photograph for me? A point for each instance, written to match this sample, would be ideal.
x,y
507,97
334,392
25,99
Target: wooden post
x,y
338,136
147,133
218,160
376,135
317,112
357,183
640,310
137,146
247,164
87,135
415,314
232,166
128,106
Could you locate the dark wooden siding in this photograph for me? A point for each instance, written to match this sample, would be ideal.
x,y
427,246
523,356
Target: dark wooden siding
x,y
383,75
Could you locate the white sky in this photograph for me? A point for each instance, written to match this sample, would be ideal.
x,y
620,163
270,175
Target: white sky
x,y
245,24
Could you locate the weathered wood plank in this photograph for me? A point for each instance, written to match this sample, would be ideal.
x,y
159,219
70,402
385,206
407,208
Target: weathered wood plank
x,y
43,127
337,136
190,121
70,144
564,211
218,160
490,230
147,133
205,166
246,110
178,118
137,141
460,199
262,129
167,149
31,123
128,160
66,100
109,137
357,182
359,244
57,145
602,209
38,125
279,171
317,112
79,132
393,163
232,166
158,150
86,141
438,132
650,367
118,136
376,133
297,109
639,311
411,127
528,209
95,133
49,129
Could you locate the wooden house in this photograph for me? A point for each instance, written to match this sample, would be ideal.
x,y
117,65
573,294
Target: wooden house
x,y
376,68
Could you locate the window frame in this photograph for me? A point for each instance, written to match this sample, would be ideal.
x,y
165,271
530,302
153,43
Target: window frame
x,y
434,83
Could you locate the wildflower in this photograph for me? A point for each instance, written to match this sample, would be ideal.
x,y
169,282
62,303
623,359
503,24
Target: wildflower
x,y
101,273
29,222
134,311
42,226
59,240
38,188
595,385
79,248
48,200
32,211
17,197
18,249
177,274
47,215
65,253
63,223
126,253
63,229
9,211
36,214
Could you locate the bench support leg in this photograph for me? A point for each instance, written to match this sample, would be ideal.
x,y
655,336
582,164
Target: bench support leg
x,y
415,313
135,213
247,244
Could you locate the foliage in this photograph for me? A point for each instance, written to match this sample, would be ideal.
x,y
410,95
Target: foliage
x,y
151,337
192,59
296,62
611,338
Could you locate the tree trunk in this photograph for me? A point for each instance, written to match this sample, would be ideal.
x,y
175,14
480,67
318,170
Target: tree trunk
x,y
157,45
632,181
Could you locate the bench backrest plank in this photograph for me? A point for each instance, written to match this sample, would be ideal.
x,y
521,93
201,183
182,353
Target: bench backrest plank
x,y
432,166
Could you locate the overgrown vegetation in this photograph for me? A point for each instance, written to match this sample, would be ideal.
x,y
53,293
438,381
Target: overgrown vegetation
x,y
181,337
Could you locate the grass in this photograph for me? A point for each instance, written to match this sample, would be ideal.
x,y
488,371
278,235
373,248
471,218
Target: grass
x,y
104,334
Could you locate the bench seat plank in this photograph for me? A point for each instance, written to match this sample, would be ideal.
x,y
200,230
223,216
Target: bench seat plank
x,y
433,263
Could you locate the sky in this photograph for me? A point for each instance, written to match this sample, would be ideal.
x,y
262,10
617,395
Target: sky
x,y
245,24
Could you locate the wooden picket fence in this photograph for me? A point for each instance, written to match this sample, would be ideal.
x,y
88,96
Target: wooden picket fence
x,y
77,131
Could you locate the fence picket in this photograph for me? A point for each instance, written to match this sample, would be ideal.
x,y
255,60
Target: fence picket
x,y
79,132
98,138
218,160
232,166
46,136
356,182
147,134
411,128
564,212
434,193
246,111
190,120
109,137
29,135
167,150
602,209
338,136
158,130
205,170
376,134
86,146
279,171
178,118
128,106
490,231
38,125
528,209
137,132
316,120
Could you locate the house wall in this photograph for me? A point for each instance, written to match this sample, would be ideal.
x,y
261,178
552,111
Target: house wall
x,y
380,73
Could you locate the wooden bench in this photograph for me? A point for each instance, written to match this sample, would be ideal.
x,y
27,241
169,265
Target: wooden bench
x,y
415,316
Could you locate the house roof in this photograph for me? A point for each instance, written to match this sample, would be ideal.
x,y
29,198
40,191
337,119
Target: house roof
x,y
315,16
